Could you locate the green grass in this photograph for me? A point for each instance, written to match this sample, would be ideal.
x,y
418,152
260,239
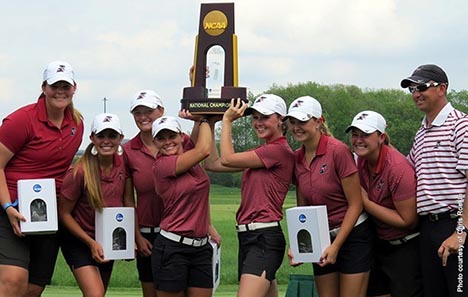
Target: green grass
x,y
224,203
55,291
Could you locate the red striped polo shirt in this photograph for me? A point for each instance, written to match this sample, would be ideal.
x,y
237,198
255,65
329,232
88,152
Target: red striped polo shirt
x,y
440,158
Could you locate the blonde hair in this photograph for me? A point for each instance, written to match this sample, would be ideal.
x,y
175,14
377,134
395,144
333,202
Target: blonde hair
x,y
89,163
387,139
323,127
76,115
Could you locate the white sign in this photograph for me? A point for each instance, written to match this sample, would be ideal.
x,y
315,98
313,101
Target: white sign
x,y
216,262
308,232
37,202
115,231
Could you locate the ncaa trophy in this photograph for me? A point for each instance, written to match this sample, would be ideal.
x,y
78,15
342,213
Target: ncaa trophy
x,y
215,50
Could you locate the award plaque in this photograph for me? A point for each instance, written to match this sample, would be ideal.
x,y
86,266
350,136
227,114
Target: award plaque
x,y
215,51
308,232
115,232
37,201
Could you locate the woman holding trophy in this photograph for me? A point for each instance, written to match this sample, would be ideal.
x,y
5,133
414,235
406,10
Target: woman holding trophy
x,y
267,175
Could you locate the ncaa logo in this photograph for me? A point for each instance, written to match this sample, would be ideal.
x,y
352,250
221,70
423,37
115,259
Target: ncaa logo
x,y
302,218
119,217
37,188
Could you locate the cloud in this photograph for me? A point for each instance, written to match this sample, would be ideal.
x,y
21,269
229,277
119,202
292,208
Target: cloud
x,y
119,47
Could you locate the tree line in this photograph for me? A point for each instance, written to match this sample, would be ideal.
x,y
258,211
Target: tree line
x,y
340,103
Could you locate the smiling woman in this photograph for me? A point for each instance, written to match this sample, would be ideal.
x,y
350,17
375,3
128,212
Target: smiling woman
x,y
181,255
36,141
97,180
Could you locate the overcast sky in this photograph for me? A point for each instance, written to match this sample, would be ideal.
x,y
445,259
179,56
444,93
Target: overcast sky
x,y
120,47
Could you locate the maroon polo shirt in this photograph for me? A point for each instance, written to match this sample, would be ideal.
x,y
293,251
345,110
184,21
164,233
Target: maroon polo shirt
x,y
320,181
394,180
139,163
41,150
112,186
185,197
264,189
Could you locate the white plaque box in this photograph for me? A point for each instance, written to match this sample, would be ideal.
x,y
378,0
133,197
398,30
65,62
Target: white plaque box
x,y
37,202
308,232
115,231
216,262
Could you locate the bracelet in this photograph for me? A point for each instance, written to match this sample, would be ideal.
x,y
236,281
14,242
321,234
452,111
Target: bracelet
x,y
203,120
6,205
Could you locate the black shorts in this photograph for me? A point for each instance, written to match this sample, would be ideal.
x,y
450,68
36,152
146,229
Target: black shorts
x,y
145,273
36,253
395,269
77,254
261,251
354,254
177,266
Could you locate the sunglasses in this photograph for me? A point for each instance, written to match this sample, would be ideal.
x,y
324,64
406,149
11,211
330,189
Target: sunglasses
x,y
109,135
422,87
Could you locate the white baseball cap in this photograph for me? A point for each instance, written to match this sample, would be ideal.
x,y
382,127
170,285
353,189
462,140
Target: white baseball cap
x,y
268,104
147,98
166,122
58,71
105,121
304,108
368,122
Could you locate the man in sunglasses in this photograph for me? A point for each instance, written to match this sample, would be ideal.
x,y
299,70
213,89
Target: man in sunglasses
x,y
440,157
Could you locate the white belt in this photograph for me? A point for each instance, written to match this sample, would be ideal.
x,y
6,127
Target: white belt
x,y
361,218
404,239
255,226
197,242
150,229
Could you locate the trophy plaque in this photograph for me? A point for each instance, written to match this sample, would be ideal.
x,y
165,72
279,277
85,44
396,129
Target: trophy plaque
x,y
308,232
37,201
215,51
115,231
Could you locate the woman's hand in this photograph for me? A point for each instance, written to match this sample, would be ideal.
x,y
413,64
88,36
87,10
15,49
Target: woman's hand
x,y
144,247
291,259
185,114
15,217
235,110
328,256
214,235
97,252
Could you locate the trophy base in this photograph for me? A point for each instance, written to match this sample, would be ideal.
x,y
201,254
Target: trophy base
x,y
196,102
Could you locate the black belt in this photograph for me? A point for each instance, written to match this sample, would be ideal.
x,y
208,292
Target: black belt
x,y
434,217
403,239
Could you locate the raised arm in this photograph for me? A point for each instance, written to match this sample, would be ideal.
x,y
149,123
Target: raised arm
x,y
213,162
200,152
229,157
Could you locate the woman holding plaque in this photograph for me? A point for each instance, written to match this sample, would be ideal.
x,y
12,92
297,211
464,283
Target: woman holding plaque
x,y
326,174
139,155
265,182
97,180
389,196
182,256
36,141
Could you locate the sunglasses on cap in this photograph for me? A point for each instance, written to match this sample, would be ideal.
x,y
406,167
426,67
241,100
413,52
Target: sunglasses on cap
x,y
422,87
